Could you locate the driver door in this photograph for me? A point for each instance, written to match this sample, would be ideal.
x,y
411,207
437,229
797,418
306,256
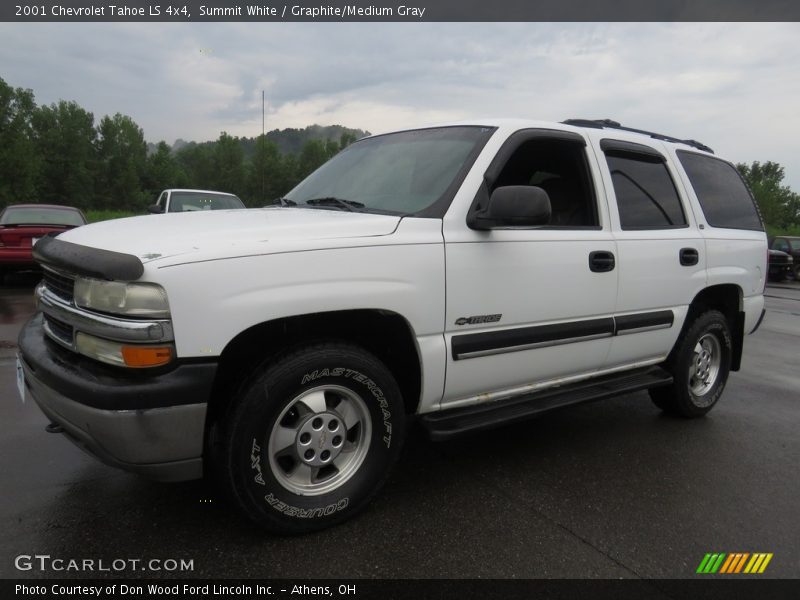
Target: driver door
x,y
528,307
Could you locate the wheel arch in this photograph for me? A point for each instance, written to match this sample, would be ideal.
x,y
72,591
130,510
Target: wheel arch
x,y
726,298
386,334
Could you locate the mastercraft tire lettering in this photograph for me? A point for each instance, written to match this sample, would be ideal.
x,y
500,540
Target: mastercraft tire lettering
x,y
312,437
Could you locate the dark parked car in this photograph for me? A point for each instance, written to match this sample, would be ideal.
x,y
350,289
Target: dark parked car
x,y
791,246
22,225
781,265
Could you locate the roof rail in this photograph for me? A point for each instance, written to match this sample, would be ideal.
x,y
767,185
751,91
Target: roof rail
x,y
609,124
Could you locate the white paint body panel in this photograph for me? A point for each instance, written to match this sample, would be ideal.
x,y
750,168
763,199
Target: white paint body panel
x,y
226,271
176,238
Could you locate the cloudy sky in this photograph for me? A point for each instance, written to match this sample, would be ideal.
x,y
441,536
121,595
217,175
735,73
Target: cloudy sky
x,y
735,87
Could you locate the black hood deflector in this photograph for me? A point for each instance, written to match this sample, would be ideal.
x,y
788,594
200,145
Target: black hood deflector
x,y
83,260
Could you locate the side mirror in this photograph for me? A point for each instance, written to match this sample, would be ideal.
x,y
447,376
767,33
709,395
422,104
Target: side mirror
x,y
155,209
514,206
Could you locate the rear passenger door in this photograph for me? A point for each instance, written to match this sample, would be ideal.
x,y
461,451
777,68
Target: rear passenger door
x,y
661,253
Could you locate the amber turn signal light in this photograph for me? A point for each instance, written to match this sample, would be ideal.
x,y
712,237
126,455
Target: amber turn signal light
x,y
146,356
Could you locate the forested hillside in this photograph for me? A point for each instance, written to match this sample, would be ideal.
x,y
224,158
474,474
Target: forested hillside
x,y
61,154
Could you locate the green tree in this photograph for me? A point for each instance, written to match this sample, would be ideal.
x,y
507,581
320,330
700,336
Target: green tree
x,y
196,161
289,174
779,205
19,162
64,137
122,153
345,140
162,171
227,162
265,173
331,148
314,154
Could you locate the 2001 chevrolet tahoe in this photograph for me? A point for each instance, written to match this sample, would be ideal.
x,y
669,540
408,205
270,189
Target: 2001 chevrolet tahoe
x,y
469,275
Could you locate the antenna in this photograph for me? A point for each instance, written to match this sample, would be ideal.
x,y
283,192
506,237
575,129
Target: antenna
x,y
263,121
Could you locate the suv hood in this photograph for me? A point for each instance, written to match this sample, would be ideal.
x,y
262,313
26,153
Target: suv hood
x,y
225,233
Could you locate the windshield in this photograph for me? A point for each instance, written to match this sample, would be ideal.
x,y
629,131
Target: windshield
x,y
188,201
398,173
31,215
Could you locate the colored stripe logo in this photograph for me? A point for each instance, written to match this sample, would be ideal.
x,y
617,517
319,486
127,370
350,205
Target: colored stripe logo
x,y
735,562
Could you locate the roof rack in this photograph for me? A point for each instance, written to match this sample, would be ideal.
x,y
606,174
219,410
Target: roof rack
x,y
609,124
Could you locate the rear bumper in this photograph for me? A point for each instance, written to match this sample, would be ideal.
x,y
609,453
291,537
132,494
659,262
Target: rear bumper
x,y
753,308
17,258
760,319
154,427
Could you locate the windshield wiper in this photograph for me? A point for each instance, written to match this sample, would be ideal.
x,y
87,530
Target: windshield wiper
x,y
286,202
350,205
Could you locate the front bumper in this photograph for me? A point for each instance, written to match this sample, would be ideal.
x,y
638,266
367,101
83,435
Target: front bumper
x,y
150,424
776,270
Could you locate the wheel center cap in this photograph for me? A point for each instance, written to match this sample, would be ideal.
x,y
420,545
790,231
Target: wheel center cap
x,y
320,439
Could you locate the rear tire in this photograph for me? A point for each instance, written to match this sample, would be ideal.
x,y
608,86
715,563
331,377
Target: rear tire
x,y
312,437
699,364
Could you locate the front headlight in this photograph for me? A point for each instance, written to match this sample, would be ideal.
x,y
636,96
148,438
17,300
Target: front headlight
x,y
119,298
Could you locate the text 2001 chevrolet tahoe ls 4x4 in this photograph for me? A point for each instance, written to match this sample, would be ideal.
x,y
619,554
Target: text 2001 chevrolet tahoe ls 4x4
x,y
469,274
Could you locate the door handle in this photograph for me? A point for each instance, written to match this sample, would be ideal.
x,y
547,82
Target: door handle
x,y
601,261
689,257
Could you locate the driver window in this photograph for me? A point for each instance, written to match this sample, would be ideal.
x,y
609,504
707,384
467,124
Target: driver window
x,y
559,167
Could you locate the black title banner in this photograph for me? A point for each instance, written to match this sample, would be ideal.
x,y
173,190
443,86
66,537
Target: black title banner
x,y
402,589
182,11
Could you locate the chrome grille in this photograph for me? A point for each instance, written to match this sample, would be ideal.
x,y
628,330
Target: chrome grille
x,y
61,331
59,284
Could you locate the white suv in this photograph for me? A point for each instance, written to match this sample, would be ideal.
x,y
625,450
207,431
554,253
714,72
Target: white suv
x,y
469,275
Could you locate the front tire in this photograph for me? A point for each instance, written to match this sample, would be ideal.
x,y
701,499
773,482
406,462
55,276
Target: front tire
x,y
312,438
699,364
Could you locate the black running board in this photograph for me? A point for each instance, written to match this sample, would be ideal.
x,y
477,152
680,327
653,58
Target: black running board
x,y
451,422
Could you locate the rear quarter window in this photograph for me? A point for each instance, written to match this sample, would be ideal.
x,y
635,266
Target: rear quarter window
x,y
723,195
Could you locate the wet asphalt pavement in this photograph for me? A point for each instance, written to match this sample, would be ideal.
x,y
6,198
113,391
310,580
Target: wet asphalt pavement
x,y
612,489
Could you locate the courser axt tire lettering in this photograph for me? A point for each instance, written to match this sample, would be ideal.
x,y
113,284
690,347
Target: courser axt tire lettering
x,y
312,437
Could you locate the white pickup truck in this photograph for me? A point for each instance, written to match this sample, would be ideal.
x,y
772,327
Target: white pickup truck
x,y
180,200
465,275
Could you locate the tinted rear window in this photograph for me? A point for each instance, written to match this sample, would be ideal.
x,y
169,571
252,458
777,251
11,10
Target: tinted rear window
x,y
41,216
723,196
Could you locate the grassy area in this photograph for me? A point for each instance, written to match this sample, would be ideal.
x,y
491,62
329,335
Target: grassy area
x,y
793,231
94,216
